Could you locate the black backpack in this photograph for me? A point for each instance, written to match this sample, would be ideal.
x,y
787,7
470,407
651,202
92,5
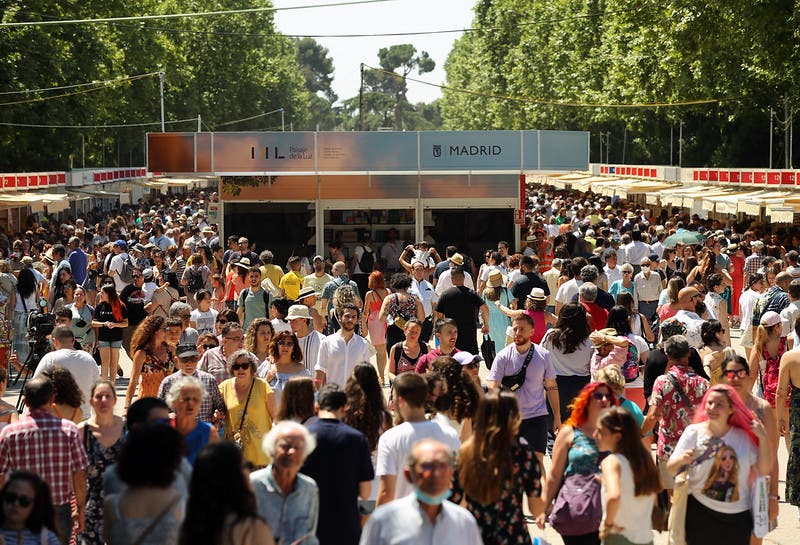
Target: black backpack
x,y
195,280
367,261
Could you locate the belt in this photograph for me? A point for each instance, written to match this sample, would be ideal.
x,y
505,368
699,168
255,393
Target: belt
x,y
651,301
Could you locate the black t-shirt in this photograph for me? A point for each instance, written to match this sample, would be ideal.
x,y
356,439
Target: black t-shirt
x,y
461,303
133,298
339,463
103,313
525,284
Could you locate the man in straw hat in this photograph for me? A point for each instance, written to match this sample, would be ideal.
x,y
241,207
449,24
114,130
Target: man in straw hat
x,y
445,281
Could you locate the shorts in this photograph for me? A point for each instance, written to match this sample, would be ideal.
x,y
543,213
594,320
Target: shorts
x,y
667,479
107,344
534,430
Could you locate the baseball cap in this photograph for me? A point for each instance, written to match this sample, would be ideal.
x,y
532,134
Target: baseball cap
x,y
121,244
465,358
317,258
770,318
187,351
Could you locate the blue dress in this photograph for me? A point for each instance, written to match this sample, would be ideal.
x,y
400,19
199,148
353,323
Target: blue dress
x,y
498,322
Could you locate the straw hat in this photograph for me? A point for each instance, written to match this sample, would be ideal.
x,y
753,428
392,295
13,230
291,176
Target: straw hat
x,y
496,280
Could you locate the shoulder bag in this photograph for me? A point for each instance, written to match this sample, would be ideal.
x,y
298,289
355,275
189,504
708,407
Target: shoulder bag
x,y
237,437
514,382
577,509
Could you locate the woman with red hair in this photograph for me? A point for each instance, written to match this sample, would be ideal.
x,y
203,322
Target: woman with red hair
x,y
719,451
370,321
575,453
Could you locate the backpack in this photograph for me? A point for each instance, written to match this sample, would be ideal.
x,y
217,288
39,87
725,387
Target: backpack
x,y
630,368
126,274
245,292
343,294
195,280
367,261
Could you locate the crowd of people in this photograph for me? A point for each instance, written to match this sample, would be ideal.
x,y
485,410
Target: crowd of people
x,y
253,412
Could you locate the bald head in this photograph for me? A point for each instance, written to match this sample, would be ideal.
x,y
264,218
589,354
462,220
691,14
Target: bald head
x,y
338,268
783,279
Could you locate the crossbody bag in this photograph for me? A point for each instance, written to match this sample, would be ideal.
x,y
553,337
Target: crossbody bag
x,y
514,382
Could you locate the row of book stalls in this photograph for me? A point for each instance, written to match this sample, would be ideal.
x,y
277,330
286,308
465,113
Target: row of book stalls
x,y
727,195
27,198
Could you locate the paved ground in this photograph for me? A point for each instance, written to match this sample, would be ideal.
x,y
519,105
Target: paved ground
x,y
787,532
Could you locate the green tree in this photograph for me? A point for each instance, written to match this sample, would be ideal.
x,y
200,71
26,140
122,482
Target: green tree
x,y
317,68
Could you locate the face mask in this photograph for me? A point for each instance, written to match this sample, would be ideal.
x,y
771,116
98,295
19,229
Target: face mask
x,y
432,500
645,268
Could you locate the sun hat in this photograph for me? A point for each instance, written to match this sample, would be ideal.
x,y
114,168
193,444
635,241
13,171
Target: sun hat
x,y
496,279
298,312
537,294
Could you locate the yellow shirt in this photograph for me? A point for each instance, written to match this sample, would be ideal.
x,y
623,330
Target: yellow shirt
x,y
290,284
273,272
257,421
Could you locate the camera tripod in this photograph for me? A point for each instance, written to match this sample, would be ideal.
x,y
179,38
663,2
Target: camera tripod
x,y
38,348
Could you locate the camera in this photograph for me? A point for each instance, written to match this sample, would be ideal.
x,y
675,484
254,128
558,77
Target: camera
x,y
40,325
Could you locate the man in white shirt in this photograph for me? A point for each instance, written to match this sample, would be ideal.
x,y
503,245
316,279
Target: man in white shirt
x,y
647,286
636,251
569,289
551,277
790,313
120,250
424,516
411,392
612,271
307,337
426,294
339,353
78,362
445,282
657,247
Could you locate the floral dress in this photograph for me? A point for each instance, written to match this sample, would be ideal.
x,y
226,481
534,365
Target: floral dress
x,y
793,465
503,521
100,458
153,372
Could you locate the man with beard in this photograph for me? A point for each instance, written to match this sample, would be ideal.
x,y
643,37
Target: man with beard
x,y
317,281
253,301
540,382
340,352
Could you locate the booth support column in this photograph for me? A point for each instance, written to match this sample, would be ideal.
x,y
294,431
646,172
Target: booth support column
x,y
319,221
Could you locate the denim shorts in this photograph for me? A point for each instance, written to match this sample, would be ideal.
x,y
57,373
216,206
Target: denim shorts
x,y
112,344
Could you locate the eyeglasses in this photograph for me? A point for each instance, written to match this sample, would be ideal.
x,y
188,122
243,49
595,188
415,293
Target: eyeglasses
x,y
136,276
237,338
430,467
738,373
286,343
600,396
627,272
22,501
208,346
238,366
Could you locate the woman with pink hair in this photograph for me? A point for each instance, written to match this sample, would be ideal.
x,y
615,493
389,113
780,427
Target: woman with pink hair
x,y
719,451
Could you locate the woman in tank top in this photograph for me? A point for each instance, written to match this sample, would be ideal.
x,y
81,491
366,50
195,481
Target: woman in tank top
x,y
403,355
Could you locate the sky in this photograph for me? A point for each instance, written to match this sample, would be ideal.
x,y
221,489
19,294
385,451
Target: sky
x,y
391,16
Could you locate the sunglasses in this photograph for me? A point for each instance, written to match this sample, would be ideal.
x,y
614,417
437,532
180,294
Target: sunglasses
x,y
238,366
22,501
600,396
738,373
208,346
286,343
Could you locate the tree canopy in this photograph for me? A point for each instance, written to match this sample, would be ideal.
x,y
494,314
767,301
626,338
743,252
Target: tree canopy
x,y
612,52
223,68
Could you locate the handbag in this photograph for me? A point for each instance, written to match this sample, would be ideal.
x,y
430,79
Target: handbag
x,y
577,509
659,518
677,514
488,351
514,382
237,437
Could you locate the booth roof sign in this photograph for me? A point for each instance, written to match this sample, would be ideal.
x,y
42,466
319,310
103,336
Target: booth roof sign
x,y
254,153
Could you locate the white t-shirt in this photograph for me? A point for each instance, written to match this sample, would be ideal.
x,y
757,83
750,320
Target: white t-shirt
x,y
396,443
204,321
358,253
568,290
721,482
82,366
116,265
573,364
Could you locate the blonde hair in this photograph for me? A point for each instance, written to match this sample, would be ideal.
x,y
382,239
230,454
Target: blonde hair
x,y
763,334
611,375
